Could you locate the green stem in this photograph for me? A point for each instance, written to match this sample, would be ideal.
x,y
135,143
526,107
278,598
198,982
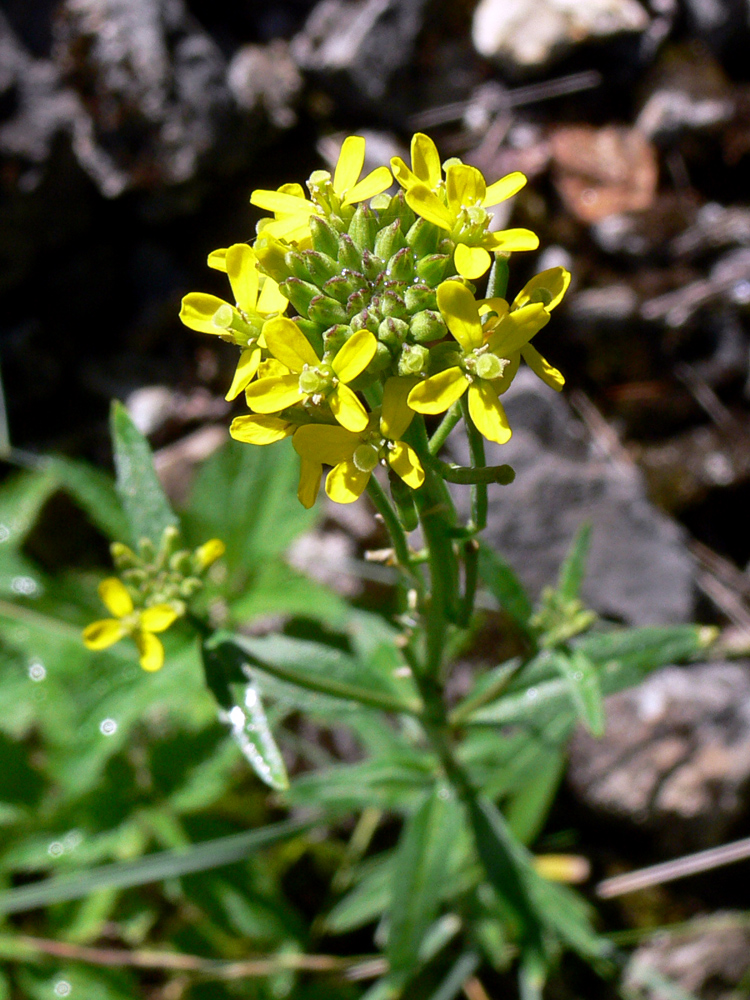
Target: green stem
x,y
469,476
476,449
447,424
397,533
471,574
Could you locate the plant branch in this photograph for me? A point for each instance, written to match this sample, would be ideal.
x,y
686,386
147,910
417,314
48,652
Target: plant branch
x,y
449,421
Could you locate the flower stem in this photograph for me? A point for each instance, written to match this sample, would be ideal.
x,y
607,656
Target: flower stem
x,y
447,424
397,533
478,488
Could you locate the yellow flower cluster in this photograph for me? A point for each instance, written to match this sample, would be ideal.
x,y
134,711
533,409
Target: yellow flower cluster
x,y
152,594
385,321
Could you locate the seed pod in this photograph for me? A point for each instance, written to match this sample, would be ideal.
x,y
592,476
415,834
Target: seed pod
x,y
324,238
403,498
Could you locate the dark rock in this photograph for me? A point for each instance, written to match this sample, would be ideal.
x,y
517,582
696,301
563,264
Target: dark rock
x,y
675,757
639,570
708,961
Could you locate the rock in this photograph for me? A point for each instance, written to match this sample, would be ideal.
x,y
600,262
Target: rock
x,y
709,961
639,570
529,33
266,76
358,47
675,757
603,171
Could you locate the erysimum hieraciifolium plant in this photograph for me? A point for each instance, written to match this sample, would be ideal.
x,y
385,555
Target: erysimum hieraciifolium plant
x,y
370,326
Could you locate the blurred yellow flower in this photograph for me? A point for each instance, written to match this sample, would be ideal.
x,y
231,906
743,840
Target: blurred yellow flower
x,y
140,624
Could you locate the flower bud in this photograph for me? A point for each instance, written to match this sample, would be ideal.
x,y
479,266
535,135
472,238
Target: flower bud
x,y
320,267
418,297
190,586
358,301
363,228
295,264
208,553
391,304
401,265
427,325
335,337
368,319
326,311
324,238
372,265
392,332
348,255
414,360
300,294
341,286
422,238
389,240
381,362
123,557
432,269
146,550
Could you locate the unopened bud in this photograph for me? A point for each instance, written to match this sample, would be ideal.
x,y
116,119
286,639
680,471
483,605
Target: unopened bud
x,y
433,269
326,311
324,238
422,238
389,240
392,332
401,265
427,326
348,255
420,296
363,228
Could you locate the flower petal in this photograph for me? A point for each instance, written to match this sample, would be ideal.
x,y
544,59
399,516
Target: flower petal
x,y
288,344
464,186
502,384
197,312
511,240
115,596
503,189
270,395
425,160
104,633
151,650
349,166
460,311
217,259
541,367
488,413
516,329
396,414
270,299
426,203
247,366
208,553
260,430
280,201
547,288
404,461
405,177
242,269
438,392
355,355
310,474
293,228
471,262
346,483
347,409
158,618
375,182
327,443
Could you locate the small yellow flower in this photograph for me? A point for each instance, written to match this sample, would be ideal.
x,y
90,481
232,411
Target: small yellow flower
x,y
243,322
291,210
309,379
355,456
490,354
207,554
140,624
458,205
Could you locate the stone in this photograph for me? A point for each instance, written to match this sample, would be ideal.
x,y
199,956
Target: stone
x,y
675,757
639,569
523,34
709,960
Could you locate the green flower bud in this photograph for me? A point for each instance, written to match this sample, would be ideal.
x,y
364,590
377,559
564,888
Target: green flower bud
x,y
271,258
348,255
358,301
389,240
372,265
170,539
414,360
392,332
326,311
401,265
146,550
363,228
342,286
320,267
418,297
123,557
433,269
382,361
300,294
427,325
313,331
368,319
189,587
423,238
134,577
391,304
324,238
335,337
295,263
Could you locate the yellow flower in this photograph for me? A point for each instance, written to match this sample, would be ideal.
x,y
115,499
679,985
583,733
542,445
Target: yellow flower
x,y
243,322
140,624
309,379
490,354
355,456
207,554
292,210
458,205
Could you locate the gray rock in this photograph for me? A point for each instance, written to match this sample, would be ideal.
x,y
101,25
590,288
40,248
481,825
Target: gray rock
x,y
710,961
529,33
675,757
639,570
359,44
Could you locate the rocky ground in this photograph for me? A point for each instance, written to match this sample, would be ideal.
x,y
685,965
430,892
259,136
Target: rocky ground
x,y
131,133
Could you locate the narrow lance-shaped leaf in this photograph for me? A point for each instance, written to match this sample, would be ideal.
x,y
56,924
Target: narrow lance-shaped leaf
x,y
585,688
251,731
573,568
528,808
146,506
419,866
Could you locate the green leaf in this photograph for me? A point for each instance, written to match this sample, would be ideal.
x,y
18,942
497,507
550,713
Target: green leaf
x,y
583,678
151,868
367,901
462,969
251,731
318,668
644,649
573,568
22,496
146,506
418,876
94,491
505,586
529,807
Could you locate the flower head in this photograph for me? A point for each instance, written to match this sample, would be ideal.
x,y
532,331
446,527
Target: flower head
x,y
141,624
354,457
